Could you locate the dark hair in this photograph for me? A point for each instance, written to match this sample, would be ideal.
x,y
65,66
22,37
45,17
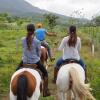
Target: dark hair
x,y
30,28
72,36
30,32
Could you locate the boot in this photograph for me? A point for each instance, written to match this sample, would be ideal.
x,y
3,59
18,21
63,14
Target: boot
x,y
46,91
55,75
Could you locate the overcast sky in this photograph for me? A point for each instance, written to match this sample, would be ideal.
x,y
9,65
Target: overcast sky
x,y
84,8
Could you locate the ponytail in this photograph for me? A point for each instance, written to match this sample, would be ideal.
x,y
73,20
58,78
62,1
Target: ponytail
x,y
29,38
29,41
72,36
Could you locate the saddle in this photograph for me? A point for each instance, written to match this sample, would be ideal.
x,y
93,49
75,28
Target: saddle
x,y
33,66
68,61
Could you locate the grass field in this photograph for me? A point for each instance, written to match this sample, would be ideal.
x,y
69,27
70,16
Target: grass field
x,y
10,56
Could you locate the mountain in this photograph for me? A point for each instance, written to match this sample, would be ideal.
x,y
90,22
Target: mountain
x,y
19,7
23,8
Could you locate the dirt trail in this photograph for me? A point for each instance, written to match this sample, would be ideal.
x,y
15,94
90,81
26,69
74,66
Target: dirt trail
x,y
52,86
4,98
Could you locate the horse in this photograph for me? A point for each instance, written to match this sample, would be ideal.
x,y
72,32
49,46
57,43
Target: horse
x,y
44,56
25,85
71,83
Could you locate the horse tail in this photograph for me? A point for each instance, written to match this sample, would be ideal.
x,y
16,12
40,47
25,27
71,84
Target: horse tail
x,y
22,86
82,89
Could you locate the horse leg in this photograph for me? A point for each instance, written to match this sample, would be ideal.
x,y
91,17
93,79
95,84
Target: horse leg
x,y
64,96
46,65
69,95
36,95
76,97
12,96
61,95
46,59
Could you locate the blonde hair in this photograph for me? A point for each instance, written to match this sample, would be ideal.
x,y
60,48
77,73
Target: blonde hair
x,y
39,25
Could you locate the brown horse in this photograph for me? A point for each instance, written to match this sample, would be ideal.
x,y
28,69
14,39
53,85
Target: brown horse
x,y
25,83
44,56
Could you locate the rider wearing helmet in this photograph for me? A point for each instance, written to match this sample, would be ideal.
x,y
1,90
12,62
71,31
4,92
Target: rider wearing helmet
x,y
40,34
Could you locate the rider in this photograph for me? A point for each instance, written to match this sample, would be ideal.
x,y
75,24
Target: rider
x,y
31,55
71,46
40,35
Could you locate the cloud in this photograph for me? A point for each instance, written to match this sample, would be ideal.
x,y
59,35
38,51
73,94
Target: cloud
x,y
67,7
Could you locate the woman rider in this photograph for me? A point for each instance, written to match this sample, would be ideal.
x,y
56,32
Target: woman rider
x,y
71,46
31,55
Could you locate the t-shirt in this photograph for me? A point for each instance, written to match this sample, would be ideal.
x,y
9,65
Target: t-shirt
x,y
70,52
40,34
31,56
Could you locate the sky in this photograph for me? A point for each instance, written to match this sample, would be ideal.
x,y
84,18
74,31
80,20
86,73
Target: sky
x,y
74,8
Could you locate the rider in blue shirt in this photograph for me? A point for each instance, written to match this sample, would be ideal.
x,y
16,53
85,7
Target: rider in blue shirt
x,y
40,34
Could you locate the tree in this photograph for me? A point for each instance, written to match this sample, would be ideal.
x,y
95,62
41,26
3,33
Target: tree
x,y
96,20
50,19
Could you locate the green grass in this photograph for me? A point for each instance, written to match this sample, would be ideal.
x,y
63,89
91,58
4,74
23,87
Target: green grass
x,y
9,59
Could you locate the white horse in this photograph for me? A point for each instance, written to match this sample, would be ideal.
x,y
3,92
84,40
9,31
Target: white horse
x,y
70,83
25,85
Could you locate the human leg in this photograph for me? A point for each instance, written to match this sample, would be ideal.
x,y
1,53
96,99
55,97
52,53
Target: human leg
x,y
45,44
56,68
81,62
45,77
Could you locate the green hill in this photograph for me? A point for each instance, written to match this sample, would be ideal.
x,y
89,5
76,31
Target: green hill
x,y
18,7
24,9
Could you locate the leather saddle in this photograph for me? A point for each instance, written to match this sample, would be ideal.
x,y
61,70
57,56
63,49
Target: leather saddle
x,y
68,61
33,66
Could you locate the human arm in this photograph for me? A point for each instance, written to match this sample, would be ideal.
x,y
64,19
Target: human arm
x,y
50,34
79,45
39,49
62,45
